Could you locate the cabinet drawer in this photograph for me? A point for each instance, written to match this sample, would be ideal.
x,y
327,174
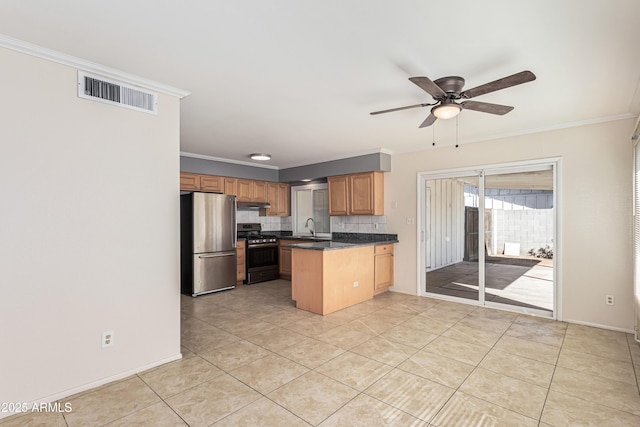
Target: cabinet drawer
x,y
383,249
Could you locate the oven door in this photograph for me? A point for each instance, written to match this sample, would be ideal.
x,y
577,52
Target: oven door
x,y
262,255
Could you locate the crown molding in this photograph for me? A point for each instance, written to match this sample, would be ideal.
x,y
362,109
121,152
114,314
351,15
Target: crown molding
x,y
92,67
567,125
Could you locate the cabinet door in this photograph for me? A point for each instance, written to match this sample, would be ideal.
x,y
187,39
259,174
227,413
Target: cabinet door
x,y
213,184
241,270
245,190
284,262
361,194
338,195
231,186
383,276
272,199
259,191
366,194
283,199
189,181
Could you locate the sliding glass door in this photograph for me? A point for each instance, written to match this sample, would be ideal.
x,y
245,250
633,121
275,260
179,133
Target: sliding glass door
x,y
519,234
488,236
452,267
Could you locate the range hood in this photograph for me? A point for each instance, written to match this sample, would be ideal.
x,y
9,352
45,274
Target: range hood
x,y
253,205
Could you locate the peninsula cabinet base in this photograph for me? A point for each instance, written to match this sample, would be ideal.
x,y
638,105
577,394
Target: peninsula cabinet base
x,y
330,280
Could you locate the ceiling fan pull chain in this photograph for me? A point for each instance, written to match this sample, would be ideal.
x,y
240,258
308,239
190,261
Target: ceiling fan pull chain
x,y
457,131
433,138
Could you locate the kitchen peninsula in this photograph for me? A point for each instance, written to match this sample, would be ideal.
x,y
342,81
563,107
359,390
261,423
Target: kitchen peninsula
x,y
328,276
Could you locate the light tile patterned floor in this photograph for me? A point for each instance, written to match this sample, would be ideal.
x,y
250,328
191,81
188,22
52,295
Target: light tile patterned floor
x,y
252,359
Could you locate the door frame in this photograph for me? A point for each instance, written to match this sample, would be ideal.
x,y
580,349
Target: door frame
x,y
507,167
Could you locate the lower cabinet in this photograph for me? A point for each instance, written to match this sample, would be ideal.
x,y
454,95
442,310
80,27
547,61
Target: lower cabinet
x,y
284,257
383,267
241,255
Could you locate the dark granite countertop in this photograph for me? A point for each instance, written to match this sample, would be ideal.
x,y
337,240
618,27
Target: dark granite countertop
x,y
346,240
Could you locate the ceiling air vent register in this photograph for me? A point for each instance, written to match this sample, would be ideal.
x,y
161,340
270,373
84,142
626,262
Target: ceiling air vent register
x,y
98,88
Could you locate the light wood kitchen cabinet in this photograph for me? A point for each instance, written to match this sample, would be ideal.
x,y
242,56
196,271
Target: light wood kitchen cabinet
x,y
251,191
328,281
284,258
200,182
356,194
241,257
272,199
366,194
246,190
284,204
230,186
211,183
338,195
383,268
189,181
278,198
259,191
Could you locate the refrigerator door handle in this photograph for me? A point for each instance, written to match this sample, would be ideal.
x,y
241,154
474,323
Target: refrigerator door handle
x,y
235,222
217,254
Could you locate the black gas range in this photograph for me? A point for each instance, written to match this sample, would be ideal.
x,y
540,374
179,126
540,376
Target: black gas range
x,y
262,253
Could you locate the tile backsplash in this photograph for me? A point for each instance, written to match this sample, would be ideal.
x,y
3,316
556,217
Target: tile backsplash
x,y
339,224
269,223
359,224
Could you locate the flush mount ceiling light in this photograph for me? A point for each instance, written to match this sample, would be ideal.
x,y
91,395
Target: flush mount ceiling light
x,y
260,156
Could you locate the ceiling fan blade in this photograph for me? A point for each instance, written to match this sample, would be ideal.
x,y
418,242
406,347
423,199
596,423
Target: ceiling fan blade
x,y
428,86
428,121
398,109
486,107
503,83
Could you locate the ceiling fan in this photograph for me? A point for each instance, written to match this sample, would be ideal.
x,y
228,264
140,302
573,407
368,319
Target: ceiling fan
x,y
447,90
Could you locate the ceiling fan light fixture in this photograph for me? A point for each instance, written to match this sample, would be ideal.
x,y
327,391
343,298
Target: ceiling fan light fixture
x,y
446,111
260,156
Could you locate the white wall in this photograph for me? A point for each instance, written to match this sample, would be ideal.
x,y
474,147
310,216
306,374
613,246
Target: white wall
x,y
89,234
596,211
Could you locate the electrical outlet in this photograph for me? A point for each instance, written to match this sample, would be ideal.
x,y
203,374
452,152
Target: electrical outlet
x,y
356,284
411,221
107,339
609,300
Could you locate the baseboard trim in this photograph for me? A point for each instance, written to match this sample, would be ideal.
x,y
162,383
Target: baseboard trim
x,y
97,383
597,325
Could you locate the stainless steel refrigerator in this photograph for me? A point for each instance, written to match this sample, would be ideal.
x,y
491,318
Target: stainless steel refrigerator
x,y
208,237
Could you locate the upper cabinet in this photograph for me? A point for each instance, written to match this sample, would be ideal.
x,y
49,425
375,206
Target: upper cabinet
x,y
189,181
231,186
278,198
212,184
356,194
338,195
252,191
246,190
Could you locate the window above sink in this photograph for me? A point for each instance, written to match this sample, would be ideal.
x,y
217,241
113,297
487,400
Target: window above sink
x,y
310,211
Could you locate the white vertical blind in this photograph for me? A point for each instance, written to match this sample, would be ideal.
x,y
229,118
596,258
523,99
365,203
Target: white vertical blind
x,y
636,228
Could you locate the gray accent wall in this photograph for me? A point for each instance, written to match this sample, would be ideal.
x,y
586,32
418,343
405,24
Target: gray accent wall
x,y
234,170
364,163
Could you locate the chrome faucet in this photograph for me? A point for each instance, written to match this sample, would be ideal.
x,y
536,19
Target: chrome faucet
x,y
306,225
